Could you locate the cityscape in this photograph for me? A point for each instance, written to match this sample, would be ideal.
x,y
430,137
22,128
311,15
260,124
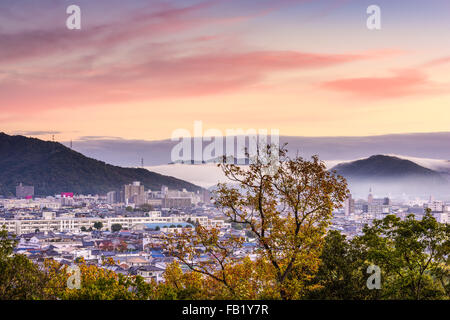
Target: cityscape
x,y
224,158
128,225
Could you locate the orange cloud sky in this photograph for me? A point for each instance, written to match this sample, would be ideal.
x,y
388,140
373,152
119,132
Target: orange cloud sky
x,y
228,63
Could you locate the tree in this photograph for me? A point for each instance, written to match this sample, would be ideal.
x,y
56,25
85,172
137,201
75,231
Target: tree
x,y
98,225
97,283
287,206
20,279
129,209
413,256
146,207
116,227
83,229
182,286
342,272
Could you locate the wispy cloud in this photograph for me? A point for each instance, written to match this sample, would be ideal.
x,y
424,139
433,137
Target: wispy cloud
x,y
42,42
139,61
438,62
36,133
401,84
158,19
159,77
98,138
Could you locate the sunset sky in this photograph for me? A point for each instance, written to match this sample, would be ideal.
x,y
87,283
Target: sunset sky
x,y
142,69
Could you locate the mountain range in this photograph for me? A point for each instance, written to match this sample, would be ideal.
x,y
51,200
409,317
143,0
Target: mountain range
x,y
53,168
386,175
127,152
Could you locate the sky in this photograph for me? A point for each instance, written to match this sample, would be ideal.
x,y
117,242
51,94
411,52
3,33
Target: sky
x,y
139,70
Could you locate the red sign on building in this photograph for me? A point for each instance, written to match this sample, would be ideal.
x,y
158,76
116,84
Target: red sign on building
x,y
67,194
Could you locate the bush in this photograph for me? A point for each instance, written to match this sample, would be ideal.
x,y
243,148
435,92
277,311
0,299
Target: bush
x,y
116,227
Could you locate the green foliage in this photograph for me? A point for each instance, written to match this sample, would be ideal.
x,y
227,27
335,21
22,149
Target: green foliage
x,y
413,256
98,225
146,207
341,274
19,278
7,244
116,227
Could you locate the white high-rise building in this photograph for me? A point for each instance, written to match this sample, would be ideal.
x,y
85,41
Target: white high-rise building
x,y
349,205
435,206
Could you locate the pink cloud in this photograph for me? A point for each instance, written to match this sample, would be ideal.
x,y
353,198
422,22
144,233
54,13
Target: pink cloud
x,y
141,26
133,60
153,23
438,62
402,83
158,77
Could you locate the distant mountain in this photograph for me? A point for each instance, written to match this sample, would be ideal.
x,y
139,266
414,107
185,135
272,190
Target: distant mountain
x,y
381,166
122,152
393,175
439,165
53,168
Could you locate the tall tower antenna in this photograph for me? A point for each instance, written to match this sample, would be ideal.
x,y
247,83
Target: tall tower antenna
x,y
142,162
70,144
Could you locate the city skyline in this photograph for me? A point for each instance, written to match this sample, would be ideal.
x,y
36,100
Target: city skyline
x,y
248,152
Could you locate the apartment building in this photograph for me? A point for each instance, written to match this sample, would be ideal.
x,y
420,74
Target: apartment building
x,y
75,224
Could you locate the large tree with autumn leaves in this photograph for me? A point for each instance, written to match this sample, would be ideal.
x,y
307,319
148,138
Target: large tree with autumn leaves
x,y
287,205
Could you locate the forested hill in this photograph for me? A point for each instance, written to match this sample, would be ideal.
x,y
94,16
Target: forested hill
x,y
53,168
